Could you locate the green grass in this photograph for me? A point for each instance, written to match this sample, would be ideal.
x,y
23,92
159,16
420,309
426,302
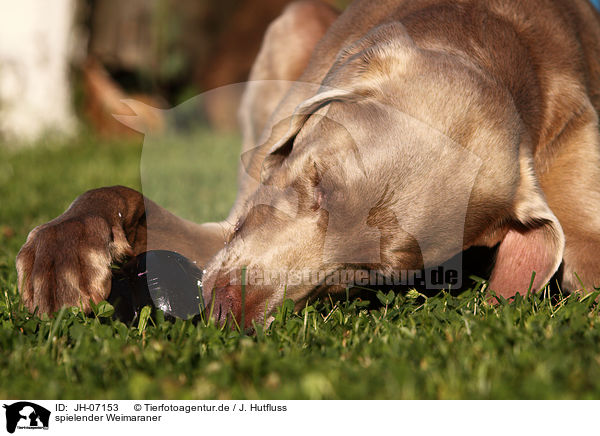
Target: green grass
x,y
408,347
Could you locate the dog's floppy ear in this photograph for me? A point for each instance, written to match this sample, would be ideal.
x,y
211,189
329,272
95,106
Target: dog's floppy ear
x,y
355,72
305,109
534,243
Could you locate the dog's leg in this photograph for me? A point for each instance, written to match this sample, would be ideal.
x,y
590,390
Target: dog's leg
x,y
284,54
67,260
572,187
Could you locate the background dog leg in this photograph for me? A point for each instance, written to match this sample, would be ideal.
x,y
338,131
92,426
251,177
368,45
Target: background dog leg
x,y
284,54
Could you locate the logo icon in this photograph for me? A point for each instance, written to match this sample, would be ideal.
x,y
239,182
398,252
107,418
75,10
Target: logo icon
x,y
26,415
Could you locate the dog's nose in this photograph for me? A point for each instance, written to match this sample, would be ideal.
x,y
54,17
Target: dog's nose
x,y
226,300
223,301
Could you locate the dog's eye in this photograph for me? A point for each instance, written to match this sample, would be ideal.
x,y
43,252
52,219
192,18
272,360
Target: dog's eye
x,y
318,194
318,197
236,230
238,226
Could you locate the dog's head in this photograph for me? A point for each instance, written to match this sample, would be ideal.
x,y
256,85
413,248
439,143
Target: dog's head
x,y
405,157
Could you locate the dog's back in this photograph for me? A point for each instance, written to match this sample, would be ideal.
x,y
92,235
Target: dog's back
x,y
547,52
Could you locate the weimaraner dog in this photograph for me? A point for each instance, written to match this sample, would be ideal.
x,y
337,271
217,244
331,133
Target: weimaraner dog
x,y
514,85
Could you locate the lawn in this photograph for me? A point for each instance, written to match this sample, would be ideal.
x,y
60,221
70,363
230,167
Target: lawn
x,y
403,347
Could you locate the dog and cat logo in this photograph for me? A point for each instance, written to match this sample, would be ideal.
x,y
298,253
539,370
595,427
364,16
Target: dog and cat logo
x,y
26,415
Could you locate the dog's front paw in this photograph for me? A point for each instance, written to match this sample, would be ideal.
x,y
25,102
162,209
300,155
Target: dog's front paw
x,y
66,262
